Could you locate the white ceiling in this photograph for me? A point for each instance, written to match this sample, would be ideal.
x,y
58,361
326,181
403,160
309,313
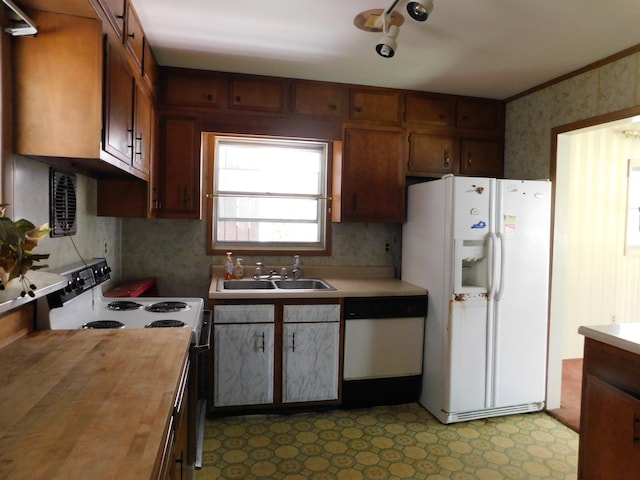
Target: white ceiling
x,y
488,48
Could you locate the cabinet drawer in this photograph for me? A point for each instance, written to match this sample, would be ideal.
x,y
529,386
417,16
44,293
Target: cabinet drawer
x,y
243,314
256,94
320,99
429,110
311,313
195,90
374,105
480,115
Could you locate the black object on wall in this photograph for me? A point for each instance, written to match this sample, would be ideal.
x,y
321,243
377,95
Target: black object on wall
x,y
62,203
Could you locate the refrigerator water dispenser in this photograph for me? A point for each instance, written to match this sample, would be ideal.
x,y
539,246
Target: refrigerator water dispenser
x,y
471,266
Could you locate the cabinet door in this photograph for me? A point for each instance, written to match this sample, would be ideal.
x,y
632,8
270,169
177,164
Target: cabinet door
x,y
114,10
375,105
118,115
256,94
143,131
310,98
480,115
134,39
609,432
243,364
431,155
196,90
310,361
429,109
371,187
179,181
481,158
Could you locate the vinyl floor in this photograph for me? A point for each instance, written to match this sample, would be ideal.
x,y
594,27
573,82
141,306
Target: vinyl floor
x,y
387,443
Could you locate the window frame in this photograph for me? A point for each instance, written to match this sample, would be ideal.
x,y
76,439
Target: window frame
x,y
209,151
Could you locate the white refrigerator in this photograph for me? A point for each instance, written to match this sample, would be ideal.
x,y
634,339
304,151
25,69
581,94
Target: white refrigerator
x,y
480,246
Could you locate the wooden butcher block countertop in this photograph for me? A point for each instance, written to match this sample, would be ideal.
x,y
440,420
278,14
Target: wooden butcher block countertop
x,y
80,404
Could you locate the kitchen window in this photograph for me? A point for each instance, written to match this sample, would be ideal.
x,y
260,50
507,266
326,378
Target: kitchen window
x,y
269,195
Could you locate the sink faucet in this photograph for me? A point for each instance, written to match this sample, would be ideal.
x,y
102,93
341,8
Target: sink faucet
x,y
263,272
297,268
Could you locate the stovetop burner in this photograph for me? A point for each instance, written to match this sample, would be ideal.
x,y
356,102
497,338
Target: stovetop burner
x,y
164,307
123,305
165,323
103,324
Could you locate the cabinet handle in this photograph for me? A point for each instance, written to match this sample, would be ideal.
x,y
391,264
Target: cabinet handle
x,y
358,109
293,342
238,99
447,159
131,140
185,197
132,35
333,107
469,160
262,343
636,428
139,144
180,461
209,97
443,116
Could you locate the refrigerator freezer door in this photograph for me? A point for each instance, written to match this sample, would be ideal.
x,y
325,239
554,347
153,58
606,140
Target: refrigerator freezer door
x,y
467,356
523,218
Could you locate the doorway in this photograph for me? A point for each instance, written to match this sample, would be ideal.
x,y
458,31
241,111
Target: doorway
x,y
593,281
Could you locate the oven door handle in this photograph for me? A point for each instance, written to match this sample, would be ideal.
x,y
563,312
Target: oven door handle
x,y
205,333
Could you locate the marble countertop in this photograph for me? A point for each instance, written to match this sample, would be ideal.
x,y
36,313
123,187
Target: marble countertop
x,y
625,336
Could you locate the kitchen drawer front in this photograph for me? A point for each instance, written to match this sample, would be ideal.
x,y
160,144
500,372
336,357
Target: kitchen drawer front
x,y
311,313
244,314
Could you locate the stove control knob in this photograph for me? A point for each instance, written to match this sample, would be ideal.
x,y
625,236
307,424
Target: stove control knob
x,y
69,287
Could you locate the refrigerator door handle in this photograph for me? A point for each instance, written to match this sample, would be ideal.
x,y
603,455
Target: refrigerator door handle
x,y
503,256
491,267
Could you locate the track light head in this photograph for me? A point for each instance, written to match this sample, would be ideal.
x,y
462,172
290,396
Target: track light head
x,y
387,45
420,9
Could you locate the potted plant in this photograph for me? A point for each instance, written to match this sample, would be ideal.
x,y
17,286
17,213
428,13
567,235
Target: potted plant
x,y
17,241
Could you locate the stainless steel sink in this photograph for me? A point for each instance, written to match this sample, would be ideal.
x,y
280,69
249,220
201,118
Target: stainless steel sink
x,y
245,285
266,284
303,284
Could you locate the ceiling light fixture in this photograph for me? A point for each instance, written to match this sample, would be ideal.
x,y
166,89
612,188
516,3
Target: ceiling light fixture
x,y
389,21
420,9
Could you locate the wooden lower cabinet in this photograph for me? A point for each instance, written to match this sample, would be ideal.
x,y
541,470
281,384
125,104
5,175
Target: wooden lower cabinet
x,y
278,354
610,414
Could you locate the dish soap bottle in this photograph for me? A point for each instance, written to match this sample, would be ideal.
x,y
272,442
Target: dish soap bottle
x,y
228,267
238,270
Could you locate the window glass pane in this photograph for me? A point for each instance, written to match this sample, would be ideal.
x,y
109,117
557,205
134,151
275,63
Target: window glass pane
x,y
269,193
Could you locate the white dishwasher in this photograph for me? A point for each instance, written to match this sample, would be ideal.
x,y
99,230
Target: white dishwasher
x,y
383,345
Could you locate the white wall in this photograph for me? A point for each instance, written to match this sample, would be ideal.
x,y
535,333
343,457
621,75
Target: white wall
x,y
601,283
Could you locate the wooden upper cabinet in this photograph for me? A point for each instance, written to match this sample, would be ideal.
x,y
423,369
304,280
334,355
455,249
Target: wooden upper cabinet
x,y
257,93
118,109
376,105
369,176
179,180
314,98
57,86
481,157
200,89
115,11
134,38
429,109
432,155
149,67
144,116
480,114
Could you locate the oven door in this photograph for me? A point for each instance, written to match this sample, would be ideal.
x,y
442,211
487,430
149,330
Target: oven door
x,y
199,391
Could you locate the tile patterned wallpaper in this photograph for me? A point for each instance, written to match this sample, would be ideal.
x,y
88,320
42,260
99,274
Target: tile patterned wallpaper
x,y
529,120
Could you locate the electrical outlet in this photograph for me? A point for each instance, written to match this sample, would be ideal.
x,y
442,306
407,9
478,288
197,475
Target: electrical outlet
x,y
106,249
387,247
